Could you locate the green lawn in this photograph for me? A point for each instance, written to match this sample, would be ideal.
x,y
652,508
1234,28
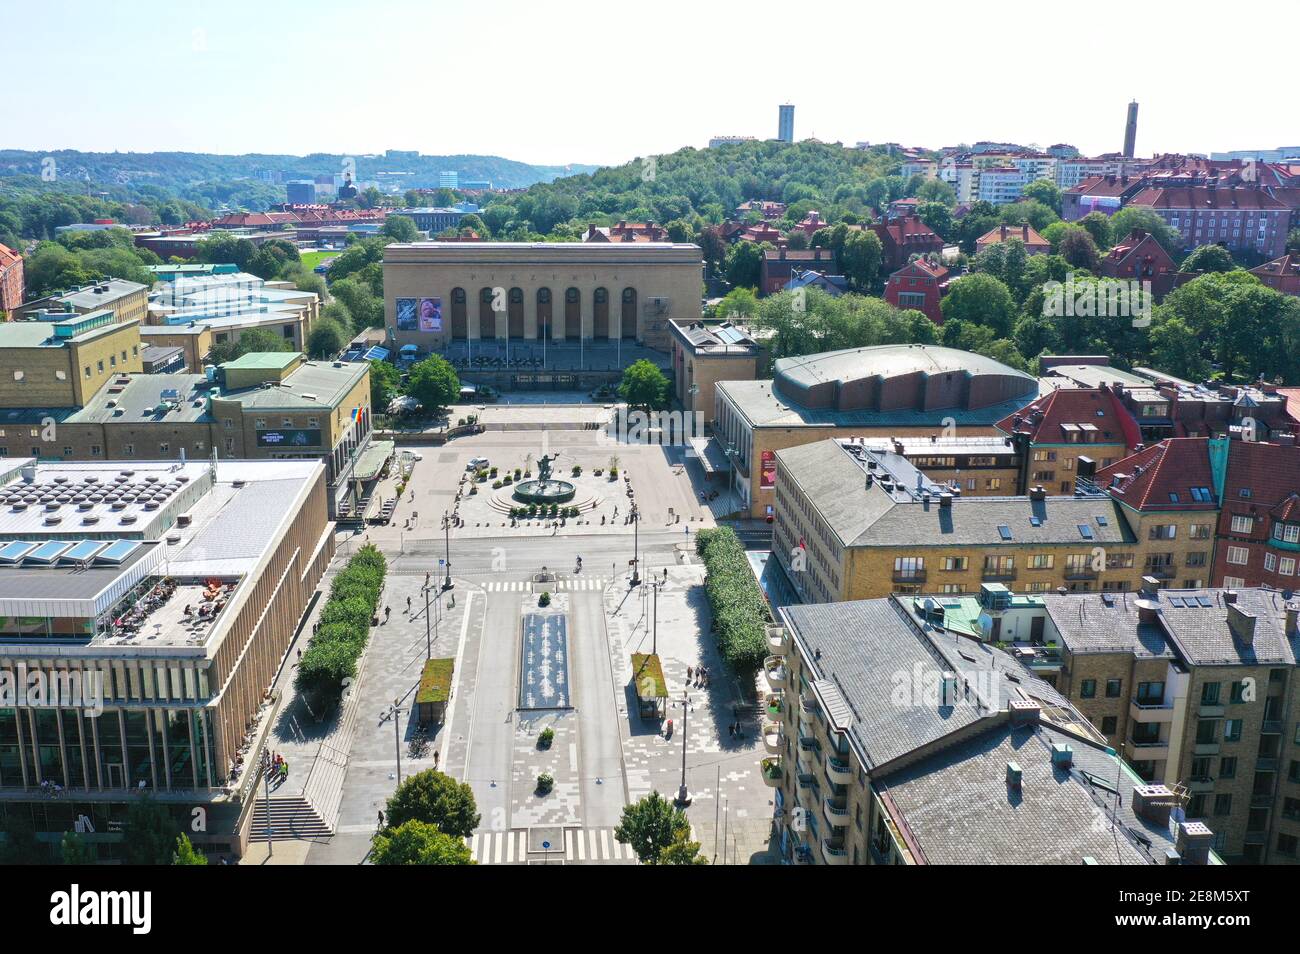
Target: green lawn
x,y
311,259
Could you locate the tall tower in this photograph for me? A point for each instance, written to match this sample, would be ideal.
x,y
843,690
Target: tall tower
x,y
1131,130
785,125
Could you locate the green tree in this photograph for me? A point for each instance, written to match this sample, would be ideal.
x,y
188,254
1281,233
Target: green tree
x,y
644,386
21,846
74,849
434,799
1099,227
860,258
743,264
1123,222
401,228
385,384
251,341
980,299
151,832
740,304
326,340
682,851
186,853
434,383
938,217
365,307
1078,248
1208,258
652,826
1176,348
418,843
1044,191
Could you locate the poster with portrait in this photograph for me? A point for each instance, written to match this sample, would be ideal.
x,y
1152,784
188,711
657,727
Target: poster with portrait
x,y
407,314
431,314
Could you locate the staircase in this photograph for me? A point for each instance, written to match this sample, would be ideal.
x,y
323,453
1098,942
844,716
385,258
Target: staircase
x,y
291,817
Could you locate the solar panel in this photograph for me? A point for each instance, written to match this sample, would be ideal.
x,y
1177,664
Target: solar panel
x,y
13,552
118,551
49,552
84,550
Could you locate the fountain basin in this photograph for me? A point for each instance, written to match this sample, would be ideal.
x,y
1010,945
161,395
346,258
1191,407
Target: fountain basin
x,y
544,491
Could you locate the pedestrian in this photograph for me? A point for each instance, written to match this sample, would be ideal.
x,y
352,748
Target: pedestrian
x,y
687,528
299,655
408,604
426,580
381,818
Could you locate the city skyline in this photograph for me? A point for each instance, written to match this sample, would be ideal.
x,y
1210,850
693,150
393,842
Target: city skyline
x,y
566,118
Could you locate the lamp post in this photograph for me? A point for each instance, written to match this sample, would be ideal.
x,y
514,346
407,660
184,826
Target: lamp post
x,y
636,546
654,637
446,530
428,637
394,713
693,390
732,454
683,795
266,777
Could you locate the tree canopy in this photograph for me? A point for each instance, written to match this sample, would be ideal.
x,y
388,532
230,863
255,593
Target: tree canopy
x,y
434,799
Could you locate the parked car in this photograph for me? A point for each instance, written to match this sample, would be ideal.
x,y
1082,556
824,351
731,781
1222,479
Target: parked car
x,y
477,463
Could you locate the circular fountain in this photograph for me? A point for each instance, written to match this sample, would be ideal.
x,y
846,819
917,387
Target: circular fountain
x,y
545,489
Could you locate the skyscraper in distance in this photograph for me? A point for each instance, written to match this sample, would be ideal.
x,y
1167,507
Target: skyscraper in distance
x,y
1131,130
785,126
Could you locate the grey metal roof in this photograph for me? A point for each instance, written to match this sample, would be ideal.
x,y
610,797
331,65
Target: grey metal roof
x,y
893,360
140,397
835,483
959,809
884,667
1203,634
1087,623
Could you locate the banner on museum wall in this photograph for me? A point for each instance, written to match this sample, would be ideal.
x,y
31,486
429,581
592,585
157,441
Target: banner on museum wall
x,y
767,472
431,314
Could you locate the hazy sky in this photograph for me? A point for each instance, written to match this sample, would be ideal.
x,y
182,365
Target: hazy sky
x,y
603,82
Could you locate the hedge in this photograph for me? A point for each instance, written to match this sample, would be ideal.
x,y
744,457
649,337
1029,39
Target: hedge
x,y
332,654
740,612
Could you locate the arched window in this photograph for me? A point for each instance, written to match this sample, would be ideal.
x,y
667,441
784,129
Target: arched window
x,y
627,321
572,314
487,319
600,314
459,325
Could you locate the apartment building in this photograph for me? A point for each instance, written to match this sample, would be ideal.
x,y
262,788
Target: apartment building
x,y
1067,428
1242,219
706,352
893,741
11,280
1197,690
128,301
852,523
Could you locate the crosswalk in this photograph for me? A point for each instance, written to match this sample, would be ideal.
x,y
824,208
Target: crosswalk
x,y
587,845
586,583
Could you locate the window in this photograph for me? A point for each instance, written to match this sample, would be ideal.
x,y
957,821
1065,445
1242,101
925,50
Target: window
x,y
1113,687
1287,532
1286,566
1231,730
1223,804
1109,725
1210,694
954,563
1237,693
1228,766
164,447
1207,731
1238,556
128,450
1242,523
1164,531
1041,561
1150,693
1287,845
1088,689
1004,531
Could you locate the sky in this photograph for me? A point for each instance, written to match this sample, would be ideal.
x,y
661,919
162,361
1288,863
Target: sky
x,y
605,82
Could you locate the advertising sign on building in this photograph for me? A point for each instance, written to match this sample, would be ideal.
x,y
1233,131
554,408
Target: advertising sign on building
x,y
431,314
767,479
408,314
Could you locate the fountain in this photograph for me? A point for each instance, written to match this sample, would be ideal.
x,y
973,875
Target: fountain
x,y
545,489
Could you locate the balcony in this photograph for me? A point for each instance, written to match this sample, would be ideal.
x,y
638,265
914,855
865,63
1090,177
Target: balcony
x,y
1201,783
777,644
909,576
838,771
806,781
809,715
773,738
1212,711
807,760
1038,658
836,811
777,673
834,852
1266,765
1145,712
1270,727
1150,751
1080,573
775,705
773,770
998,576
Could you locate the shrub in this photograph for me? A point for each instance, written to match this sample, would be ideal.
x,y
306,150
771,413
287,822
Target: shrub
x,y
545,782
544,599
496,485
545,738
332,654
740,612
577,471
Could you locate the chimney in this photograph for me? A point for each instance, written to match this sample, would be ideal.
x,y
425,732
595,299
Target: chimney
x,y
1024,231
1037,493
1014,776
1194,840
1153,802
945,501
1024,712
1062,755
1229,597
1004,233
1242,623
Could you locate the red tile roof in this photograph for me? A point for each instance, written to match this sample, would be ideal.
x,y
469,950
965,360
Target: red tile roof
x,y
1152,475
1198,197
1271,472
1043,419
8,256
1005,233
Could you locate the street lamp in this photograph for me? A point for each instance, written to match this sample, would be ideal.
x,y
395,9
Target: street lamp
x,y
446,529
394,712
636,546
683,795
656,585
732,454
428,638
